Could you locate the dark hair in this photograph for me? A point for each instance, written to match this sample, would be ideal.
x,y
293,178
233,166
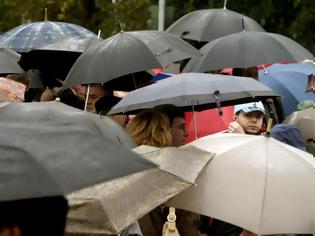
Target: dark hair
x,y
105,103
171,111
69,98
36,216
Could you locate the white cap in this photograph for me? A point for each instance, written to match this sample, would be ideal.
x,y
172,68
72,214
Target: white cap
x,y
249,107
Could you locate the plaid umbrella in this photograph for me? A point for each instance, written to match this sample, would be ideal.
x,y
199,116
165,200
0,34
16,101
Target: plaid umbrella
x,y
34,35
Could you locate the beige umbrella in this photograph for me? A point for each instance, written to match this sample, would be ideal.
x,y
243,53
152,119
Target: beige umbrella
x,y
304,120
255,182
110,207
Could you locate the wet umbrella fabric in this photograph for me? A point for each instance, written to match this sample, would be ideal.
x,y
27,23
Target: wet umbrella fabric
x,y
247,49
9,62
290,81
57,57
210,24
110,207
126,53
268,191
50,149
194,91
26,37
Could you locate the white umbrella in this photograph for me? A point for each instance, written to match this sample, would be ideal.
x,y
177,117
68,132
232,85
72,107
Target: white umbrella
x,y
110,207
255,182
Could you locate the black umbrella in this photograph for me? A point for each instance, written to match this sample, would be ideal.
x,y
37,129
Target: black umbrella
x,y
130,82
56,58
126,53
210,24
195,91
50,149
9,62
247,49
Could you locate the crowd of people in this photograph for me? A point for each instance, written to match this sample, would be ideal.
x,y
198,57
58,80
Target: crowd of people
x,y
160,126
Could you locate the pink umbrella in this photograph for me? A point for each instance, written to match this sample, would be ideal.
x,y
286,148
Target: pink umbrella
x,y
11,91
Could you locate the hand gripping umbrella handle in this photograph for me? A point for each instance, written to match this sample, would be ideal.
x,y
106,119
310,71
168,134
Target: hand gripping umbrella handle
x,y
216,97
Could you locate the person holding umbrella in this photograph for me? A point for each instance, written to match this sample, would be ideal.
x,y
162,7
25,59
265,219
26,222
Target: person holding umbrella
x,y
248,118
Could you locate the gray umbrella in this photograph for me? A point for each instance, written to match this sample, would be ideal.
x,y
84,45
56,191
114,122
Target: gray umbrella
x,y
50,149
125,53
9,62
210,24
195,89
247,49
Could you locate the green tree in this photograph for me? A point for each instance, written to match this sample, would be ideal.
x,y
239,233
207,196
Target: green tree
x,y
104,15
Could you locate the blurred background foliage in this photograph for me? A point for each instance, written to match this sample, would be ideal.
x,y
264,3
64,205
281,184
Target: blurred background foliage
x,y
293,18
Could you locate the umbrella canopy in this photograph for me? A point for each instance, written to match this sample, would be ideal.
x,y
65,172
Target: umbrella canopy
x,y
207,25
110,207
194,91
247,49
305,121
34,35
9,62
130,82
128,52
50,149
290,81
57,57
268,191
11,91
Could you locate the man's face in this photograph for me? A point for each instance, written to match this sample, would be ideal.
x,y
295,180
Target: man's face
x,y
251,121
96,92
179,132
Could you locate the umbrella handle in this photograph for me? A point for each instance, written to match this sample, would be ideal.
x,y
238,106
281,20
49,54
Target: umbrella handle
x,y
225,2
216,97
87,97
194,121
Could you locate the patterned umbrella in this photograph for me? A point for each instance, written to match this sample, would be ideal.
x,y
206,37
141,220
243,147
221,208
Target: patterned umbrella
x,y
34,35
11,91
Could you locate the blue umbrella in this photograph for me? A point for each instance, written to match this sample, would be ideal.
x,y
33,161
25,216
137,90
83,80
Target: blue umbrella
x,y
34,35
290,81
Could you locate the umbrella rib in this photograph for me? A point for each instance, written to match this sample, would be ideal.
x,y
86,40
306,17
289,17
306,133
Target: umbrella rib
x,y
265,185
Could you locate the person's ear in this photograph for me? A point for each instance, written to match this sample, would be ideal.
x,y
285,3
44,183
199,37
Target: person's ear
x,y
10,231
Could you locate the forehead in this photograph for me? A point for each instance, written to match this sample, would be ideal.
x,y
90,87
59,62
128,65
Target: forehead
x,y
253,113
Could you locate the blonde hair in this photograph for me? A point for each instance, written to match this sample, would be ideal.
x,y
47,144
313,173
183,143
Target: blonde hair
x,y
150,127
